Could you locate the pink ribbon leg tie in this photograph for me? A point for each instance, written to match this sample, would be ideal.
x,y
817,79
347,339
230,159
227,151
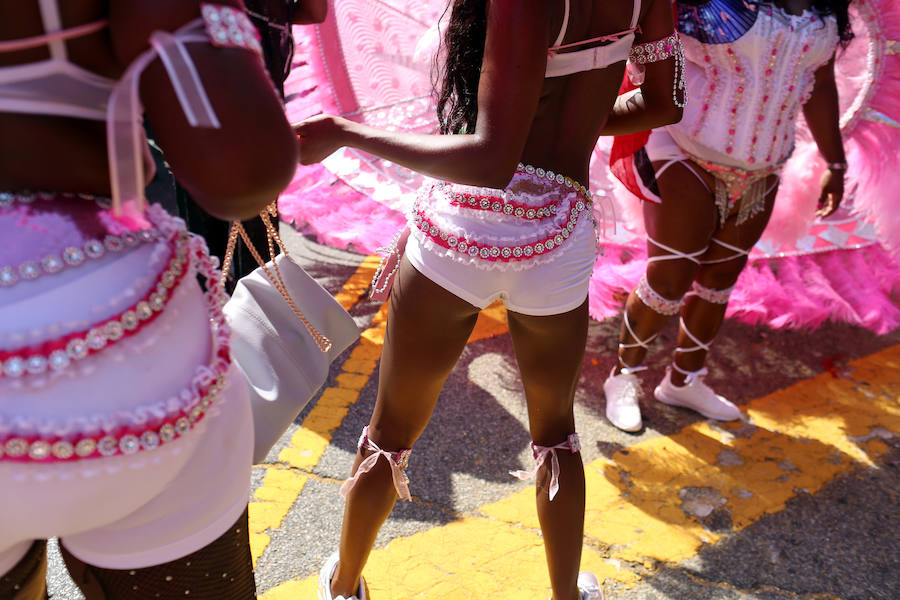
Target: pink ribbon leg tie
x,y
572,443
397,460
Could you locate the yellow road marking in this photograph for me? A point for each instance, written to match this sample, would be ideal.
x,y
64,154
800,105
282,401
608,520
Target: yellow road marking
x,y
641,501
280,487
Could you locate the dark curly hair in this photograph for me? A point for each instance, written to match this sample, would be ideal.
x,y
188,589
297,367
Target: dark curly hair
x,y
457,88
840,10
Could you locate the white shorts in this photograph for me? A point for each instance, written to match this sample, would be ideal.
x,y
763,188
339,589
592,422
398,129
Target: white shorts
x,y
121,510
548,288
531,245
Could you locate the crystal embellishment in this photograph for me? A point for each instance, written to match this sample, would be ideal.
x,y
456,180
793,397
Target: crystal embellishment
x,y
60,353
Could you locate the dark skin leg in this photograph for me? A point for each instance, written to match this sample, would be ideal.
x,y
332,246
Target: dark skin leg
x,y
27,580
549,351
427,329
686,219
703,318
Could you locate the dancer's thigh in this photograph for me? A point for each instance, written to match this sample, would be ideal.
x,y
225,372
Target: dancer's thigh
x,y
684,220
719,273
549,351
427,329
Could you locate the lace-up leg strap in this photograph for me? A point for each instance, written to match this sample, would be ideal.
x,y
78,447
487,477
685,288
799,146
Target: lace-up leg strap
x,y
638,343
690,376
397,460
572,444
674,253
698,345
738,253
687,164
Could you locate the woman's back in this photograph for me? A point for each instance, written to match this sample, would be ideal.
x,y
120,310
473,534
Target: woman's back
x,y
548,78
574,107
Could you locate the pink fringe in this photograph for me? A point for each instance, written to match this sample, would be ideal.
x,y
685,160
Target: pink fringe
x,y
860,287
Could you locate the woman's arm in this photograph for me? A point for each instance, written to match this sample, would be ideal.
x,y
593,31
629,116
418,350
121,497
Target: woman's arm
x,y
309,12
236,170
652,105
822,113
512,77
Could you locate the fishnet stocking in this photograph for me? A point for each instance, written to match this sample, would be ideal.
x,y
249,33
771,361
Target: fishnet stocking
x,y
27,580
220,571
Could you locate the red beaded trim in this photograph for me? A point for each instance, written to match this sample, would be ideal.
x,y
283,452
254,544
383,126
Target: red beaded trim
x,y
58,354
501,205
476,249
126,440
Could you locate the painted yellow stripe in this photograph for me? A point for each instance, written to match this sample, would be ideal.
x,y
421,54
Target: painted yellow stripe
x,y
358,285
280,487
639,500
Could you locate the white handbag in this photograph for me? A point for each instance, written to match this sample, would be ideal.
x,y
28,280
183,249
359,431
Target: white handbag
x,y
283,352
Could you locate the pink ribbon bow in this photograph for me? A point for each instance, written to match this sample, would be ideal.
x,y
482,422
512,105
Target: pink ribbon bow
x,y
572,444
397,460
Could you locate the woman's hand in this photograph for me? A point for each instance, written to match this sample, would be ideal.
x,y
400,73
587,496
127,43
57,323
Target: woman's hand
x,y
832,184
319,136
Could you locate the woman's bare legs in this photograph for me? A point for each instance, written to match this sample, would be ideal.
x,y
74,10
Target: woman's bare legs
x,y
549,351
685,220
427,329
701,316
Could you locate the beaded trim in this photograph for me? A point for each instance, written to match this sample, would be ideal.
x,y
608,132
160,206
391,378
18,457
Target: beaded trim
x,y
194,401
59,354
73,256
710,295
656,51
521,252
476,249
654,301
498,204
659,50
555,177
229,27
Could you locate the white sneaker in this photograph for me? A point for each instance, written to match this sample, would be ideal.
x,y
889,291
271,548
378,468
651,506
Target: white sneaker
x,y
697,396
325,575
589,586
622,392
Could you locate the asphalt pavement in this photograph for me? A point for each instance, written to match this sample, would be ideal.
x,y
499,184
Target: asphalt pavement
x,y
800,500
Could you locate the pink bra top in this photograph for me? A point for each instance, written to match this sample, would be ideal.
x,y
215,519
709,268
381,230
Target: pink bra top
x,y
58,87
596,57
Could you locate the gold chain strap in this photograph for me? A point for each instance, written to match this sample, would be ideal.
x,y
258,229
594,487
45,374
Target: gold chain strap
x,y
237,229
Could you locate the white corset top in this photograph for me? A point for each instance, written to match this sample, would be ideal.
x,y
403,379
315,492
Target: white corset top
x,y
746,95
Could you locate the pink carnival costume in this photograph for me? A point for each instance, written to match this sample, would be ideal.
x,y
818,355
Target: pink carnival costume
x,y
123,428
741,121
800,274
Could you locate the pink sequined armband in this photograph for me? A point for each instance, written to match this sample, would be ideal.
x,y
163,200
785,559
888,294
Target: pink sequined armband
x,y
229,27
656,51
